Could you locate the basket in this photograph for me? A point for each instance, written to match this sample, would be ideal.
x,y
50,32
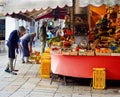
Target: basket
x,y
32,57
99,78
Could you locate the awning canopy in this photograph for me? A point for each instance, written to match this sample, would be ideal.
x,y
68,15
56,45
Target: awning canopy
x,y
30,15
57,12
35,9
32,9
40,14
83,3
16,6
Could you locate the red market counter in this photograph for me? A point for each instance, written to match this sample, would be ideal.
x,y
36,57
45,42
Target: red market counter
x,y
82,66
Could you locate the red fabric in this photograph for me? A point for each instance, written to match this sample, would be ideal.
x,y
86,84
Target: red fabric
x,y
62,14
69,32
82,66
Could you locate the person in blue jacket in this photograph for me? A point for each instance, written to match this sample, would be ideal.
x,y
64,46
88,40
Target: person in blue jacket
x,y
12,45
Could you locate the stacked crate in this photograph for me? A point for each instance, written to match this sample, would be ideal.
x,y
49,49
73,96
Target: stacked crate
x,y
45,67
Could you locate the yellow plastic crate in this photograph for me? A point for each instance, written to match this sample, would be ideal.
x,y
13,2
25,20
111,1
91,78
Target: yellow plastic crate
x,y
45,73
45,60
45,68
99,78
45,76
45,56
47,50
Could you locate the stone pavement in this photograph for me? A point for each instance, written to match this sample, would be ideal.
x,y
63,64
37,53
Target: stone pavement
x,y
28,83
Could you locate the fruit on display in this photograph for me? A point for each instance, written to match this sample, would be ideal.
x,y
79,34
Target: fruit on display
x,y
66,43
117,50
54,48
55,39
82,52
77,48
118,22
107,32
90,53
103,50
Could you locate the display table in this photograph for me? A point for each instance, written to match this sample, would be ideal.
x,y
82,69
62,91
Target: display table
x,y
82,66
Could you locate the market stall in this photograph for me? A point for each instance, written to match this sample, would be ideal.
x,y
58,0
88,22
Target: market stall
x,y
79,60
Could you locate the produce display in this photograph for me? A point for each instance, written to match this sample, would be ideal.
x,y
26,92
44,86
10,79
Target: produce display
x,y
106,41
107,33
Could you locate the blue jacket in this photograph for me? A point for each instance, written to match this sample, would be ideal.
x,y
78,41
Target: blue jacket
x,y
12,43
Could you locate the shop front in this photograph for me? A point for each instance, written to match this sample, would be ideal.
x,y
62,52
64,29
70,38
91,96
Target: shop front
x,y
101,50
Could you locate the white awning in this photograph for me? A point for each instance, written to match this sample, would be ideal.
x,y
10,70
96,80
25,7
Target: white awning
x,y
16,6
83,3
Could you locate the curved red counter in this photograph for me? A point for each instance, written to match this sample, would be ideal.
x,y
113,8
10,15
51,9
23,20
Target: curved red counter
x,y
82,66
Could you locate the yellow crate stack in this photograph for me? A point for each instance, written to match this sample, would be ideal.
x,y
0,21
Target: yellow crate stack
x,y
45,68
47,50
99,78
46,56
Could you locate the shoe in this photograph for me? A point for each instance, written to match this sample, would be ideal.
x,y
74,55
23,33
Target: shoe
x,y
28,62
23,61
13,73
15,70
7,70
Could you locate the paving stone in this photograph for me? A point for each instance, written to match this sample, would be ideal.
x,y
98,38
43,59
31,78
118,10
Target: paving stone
x,y
65,89
42,93
19,94
46,88
39,95
62,95
4,94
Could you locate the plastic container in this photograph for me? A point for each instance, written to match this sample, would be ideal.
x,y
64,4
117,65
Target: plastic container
x,y
45,56
47,50
46,64
45,68
45,73
99,78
